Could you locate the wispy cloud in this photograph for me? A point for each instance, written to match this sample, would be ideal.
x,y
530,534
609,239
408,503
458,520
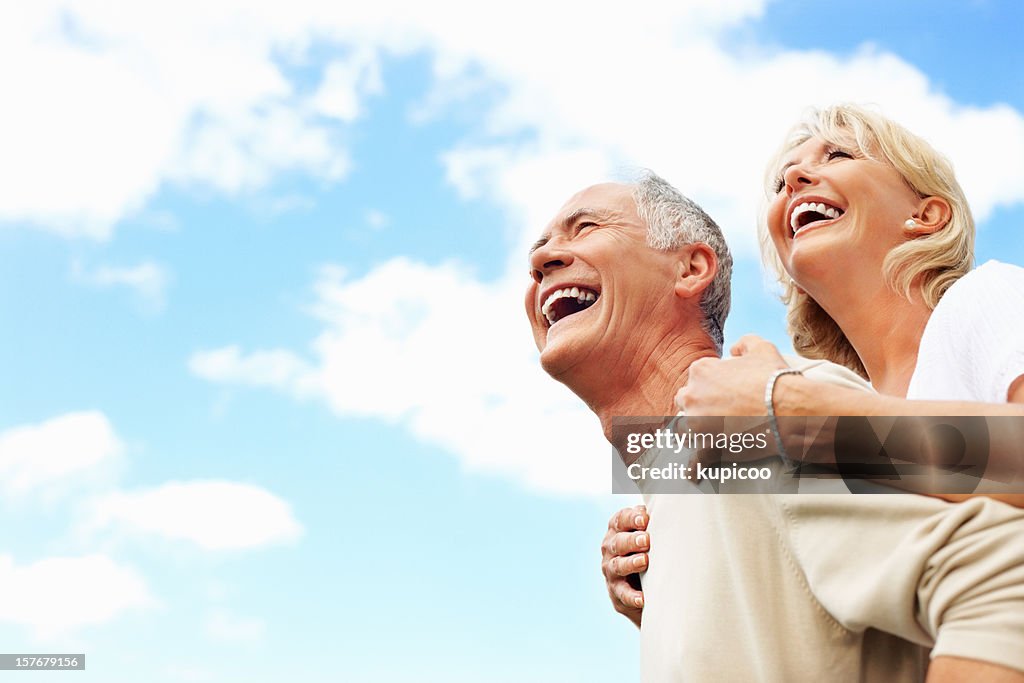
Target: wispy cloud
x,y
148,281
59,594
221,625
377,219
65,456
213,515
280,369
57,454
450,358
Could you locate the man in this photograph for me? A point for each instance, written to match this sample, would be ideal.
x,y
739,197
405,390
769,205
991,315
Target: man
x,y
630,288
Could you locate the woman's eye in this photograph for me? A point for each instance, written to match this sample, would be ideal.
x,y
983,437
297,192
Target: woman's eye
x,y
839,154
778,185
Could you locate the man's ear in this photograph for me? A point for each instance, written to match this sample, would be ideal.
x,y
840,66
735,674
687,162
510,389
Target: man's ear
x,y
932,215
697,266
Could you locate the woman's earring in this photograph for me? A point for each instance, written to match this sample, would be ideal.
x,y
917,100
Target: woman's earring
x,y
910,224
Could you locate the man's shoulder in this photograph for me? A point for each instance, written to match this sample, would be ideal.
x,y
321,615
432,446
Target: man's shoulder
x,y
827,371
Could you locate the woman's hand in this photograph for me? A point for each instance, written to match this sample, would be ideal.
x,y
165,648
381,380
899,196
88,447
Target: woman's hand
x,y
623,554
733,386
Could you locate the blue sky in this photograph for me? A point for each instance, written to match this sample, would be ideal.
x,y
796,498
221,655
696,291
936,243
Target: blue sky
x,y
270,408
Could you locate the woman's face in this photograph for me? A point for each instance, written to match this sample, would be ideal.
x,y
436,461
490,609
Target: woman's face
x,y
836,214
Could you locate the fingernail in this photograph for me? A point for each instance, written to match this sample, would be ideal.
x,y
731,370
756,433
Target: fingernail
x,y
639,561
641,540
639,602
639,521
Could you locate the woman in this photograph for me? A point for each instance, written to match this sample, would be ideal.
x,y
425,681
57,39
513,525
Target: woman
x,y
872,239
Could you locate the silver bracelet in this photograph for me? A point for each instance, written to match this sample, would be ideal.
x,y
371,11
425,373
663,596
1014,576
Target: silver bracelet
x,y
769,406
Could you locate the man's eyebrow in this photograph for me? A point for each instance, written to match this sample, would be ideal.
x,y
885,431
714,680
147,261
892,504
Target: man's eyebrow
x,y
570,221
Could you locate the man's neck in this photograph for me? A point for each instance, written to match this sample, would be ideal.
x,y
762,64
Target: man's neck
x,y
649,388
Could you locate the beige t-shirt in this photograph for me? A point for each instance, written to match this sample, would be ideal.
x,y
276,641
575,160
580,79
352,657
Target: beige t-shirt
x,y
828,587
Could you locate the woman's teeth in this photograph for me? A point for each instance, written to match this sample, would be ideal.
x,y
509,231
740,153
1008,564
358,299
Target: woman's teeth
x,y
809,212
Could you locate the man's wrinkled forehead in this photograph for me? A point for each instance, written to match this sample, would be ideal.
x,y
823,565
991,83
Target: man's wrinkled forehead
x,y
603,203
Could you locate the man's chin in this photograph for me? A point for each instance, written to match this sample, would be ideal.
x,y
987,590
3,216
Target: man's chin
x,y
560,358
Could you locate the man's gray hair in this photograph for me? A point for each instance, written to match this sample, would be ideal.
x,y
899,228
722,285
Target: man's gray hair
x,y
673,221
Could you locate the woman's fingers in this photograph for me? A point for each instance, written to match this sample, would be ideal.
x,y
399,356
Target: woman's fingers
x,y
623,554
631,564
622,593
623,543
629,519
751,344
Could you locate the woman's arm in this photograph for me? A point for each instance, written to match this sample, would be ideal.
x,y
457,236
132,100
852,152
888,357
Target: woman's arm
x,y
795,395
736,386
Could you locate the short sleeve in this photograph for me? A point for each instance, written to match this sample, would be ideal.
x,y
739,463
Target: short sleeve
x,y
825,371
936,574
973,346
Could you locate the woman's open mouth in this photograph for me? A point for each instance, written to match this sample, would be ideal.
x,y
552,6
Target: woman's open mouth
x,y
809,213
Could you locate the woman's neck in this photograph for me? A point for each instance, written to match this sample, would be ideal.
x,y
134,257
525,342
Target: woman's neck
x,y
885,330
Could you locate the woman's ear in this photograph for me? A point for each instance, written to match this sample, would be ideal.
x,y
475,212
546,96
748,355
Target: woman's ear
x,y
932,215
697,267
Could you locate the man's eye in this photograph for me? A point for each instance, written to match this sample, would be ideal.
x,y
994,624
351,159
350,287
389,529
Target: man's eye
x,y
584,225
839,154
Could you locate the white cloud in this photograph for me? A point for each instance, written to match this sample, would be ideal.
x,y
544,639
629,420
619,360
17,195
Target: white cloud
x,y
60,594
56,454
708,118
221,625
452,359
57,595
214,515
147,280
203,93
264,368
344,83
134,97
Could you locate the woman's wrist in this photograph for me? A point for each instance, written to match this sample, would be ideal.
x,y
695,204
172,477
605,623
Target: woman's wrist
x,y
793,395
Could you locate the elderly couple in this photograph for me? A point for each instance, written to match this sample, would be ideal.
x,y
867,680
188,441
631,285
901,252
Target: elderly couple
x,y
872,240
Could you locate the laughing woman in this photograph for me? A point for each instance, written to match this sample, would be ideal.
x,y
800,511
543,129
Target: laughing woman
x,y
872,239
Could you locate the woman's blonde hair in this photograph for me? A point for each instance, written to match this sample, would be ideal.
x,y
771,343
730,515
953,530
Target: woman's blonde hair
x,y
926,265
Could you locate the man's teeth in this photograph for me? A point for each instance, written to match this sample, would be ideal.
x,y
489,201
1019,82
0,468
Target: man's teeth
x,y
581,295
823,209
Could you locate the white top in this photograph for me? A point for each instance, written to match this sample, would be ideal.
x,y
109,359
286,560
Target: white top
x,y
973,345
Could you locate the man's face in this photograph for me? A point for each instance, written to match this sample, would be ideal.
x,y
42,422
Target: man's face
x,y
597,286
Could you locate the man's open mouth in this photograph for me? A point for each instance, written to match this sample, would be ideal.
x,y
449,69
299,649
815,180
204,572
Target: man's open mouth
x,y
812,212
564,302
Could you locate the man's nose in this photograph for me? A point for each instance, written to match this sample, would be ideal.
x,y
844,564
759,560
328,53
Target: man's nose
x,y
547,258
